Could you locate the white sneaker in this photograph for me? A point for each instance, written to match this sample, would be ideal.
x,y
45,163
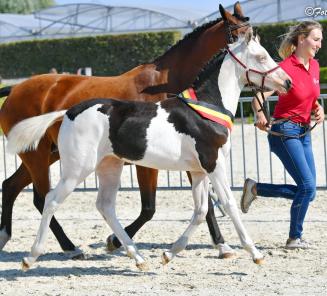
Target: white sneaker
x,y
247,197
297,243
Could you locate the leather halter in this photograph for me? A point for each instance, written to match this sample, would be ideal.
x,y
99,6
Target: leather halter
x,y
263,74
263,103
248,70
229,28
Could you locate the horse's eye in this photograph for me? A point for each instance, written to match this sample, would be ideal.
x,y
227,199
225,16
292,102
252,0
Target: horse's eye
x,y
261,58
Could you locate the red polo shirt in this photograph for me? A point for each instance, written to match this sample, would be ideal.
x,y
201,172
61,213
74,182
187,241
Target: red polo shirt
x,y
305,90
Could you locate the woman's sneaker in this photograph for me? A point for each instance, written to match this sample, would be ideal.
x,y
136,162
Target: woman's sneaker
x,y
247,197
297,243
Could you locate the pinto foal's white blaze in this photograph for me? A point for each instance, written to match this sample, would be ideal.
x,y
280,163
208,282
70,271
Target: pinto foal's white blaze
x,y
168,138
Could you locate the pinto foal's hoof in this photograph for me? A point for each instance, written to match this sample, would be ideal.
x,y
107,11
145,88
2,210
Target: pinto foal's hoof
x,y
25,265
259,261
142,266
228,255
165,259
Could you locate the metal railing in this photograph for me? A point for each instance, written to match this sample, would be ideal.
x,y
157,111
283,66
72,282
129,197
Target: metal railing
x,y
250,156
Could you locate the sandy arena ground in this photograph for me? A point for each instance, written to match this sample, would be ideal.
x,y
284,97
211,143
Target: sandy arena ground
x,y
196,271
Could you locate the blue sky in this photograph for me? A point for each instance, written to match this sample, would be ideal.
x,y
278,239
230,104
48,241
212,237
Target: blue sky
x,y
202,7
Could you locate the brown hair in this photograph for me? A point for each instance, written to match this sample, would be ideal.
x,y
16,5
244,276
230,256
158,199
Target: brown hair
x,y
289,43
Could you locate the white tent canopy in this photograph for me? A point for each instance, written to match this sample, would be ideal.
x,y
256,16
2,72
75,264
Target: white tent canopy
x,y
78,19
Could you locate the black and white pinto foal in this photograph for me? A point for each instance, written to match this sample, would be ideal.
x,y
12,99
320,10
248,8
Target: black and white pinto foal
x,y
102,134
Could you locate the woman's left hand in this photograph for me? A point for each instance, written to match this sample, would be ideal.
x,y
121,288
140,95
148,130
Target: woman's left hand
x,y
319,114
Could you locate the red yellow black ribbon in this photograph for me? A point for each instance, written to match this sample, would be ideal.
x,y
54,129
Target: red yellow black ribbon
x,y
207,110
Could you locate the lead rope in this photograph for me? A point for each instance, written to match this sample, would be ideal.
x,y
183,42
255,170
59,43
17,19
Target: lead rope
x,y
287,119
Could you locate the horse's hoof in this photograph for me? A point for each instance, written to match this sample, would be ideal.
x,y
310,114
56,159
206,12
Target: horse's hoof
x,y
77,254
142,266
4,238
110,243
164,258
259,261
80,256
228,255
225,251
25,265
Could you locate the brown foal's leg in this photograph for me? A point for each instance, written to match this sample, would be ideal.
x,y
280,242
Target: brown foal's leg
x,y
147,179
11,187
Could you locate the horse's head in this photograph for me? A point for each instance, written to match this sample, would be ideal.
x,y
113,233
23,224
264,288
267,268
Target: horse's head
x,y
235,24
256,66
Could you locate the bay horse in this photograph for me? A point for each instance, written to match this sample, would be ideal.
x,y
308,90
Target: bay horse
x,y
102,134
172,72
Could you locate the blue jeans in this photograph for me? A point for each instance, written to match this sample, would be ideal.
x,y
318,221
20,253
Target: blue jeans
x,y
296,155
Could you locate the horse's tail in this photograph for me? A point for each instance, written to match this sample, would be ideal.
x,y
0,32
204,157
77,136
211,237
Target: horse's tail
x,y
5,91
26,134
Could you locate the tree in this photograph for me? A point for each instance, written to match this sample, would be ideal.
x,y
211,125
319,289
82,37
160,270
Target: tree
x,y
23,6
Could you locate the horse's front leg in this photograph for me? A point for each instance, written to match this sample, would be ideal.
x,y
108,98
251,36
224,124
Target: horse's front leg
x,y
221,185
225,251
200,189
147,179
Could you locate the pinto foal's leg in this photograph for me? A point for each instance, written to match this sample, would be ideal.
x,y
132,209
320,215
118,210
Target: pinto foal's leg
x,y
225,251
109,172
200,189
52,201
147,179
76,165
220,183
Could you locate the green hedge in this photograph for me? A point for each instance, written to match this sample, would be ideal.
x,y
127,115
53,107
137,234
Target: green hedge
x,y
107,55
323,74
111,54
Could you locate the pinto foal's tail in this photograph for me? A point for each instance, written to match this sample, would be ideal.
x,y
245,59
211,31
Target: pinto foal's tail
x,y
26,134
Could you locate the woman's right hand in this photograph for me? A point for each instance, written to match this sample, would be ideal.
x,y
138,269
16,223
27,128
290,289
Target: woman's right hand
x,y
261,122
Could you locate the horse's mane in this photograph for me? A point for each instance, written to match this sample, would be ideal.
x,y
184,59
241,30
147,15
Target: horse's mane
x,y
209,69
190,36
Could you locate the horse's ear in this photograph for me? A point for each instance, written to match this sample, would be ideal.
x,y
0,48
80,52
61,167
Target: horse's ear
x,y
238,9
255,33
222,12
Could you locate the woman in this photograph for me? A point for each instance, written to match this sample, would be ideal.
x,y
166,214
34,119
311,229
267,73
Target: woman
x,y
290,139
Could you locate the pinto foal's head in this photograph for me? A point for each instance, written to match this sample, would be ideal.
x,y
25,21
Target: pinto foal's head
x,y
248,54
229,68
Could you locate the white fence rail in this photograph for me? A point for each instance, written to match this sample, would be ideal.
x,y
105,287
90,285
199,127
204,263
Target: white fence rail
x,y
250,157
